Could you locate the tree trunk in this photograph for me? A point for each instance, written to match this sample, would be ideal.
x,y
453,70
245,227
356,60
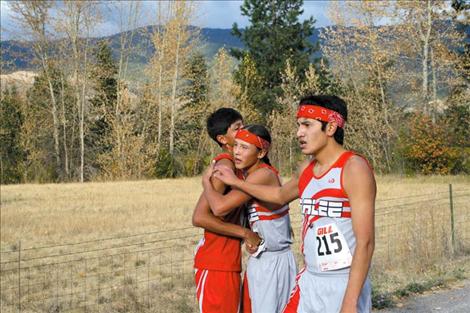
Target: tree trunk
x,y
73,33
55,120
64,128
78,102
160,100
161,40
424,89
384,109
56,125
173,96
434,87
425,49
82,113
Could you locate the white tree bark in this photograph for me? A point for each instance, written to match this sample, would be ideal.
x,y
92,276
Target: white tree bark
x,y
425,35
173,94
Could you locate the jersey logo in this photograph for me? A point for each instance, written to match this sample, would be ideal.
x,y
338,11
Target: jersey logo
x,y
324,208
253,215
331,180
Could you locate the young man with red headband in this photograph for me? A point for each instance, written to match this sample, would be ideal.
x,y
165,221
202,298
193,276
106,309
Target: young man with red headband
x,y
218,256
337,200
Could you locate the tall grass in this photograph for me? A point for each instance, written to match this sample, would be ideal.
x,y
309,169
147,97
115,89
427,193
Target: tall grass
x,y
152,271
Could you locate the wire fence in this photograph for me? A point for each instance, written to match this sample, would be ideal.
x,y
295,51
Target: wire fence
x,y
153,271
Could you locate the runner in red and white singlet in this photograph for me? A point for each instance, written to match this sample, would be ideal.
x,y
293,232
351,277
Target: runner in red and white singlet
x,y
328,242
217,260
217,263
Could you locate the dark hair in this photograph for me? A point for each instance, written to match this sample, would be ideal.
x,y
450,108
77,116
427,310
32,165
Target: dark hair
x,y
263,132
334,103
219,122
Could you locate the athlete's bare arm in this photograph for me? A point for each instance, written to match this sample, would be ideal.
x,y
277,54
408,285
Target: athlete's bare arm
x,y
223,204
203,216
279,195
359,184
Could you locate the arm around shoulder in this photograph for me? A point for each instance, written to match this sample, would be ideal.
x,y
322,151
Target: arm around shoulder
x,y
258,186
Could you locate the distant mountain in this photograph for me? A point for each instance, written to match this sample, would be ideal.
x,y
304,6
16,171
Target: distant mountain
x,y
18,55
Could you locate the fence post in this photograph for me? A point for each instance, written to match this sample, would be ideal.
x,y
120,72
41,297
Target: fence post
x,y
86,275
148,280
452,228
19,276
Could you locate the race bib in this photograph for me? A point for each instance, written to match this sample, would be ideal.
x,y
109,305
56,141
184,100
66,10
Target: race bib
x,y
332,250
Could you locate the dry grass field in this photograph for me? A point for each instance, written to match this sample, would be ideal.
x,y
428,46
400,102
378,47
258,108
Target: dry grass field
x,y
39,214
127,246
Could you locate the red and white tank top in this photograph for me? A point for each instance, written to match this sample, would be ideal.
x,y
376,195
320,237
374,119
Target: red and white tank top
x,y
328,240
219,252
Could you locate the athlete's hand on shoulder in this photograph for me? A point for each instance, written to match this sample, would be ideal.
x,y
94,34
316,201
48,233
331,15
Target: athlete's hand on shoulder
x,y
225,174
206,176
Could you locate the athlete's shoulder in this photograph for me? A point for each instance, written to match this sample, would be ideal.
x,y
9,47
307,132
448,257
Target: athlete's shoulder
x,y
223,156
357,163
224,159
356,170
262,175
358,179
270,171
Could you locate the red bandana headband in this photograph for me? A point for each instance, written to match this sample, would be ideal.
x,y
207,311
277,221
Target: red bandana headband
x,y
320,113
259,142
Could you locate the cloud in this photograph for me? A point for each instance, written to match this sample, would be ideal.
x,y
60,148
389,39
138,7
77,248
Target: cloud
x,y
219,14
213,14
222,14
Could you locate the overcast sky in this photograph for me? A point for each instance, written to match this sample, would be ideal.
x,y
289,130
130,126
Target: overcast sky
x,y
212,14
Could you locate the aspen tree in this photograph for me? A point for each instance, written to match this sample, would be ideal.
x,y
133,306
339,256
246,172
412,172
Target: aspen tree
x,y
77,18
427,31
33,17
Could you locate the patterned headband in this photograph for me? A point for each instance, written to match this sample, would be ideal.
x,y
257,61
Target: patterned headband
x,y
320,113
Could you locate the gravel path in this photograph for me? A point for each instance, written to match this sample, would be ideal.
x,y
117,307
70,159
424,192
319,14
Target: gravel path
x,y
456,299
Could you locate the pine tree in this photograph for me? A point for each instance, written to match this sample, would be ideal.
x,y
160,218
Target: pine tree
x,y
102,104
197,81
104,74
222,87
275,35
11,153
192,115
248,92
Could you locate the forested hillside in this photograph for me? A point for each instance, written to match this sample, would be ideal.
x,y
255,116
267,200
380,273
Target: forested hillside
x,y
133,105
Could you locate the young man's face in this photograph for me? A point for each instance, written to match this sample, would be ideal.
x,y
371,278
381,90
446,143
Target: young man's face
x,y
310,135
245,154
232,131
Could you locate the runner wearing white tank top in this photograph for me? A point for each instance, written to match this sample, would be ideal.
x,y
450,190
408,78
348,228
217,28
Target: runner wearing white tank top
x,y
270,275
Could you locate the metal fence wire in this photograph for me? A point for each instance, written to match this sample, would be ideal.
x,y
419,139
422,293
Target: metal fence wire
x,y
153,271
